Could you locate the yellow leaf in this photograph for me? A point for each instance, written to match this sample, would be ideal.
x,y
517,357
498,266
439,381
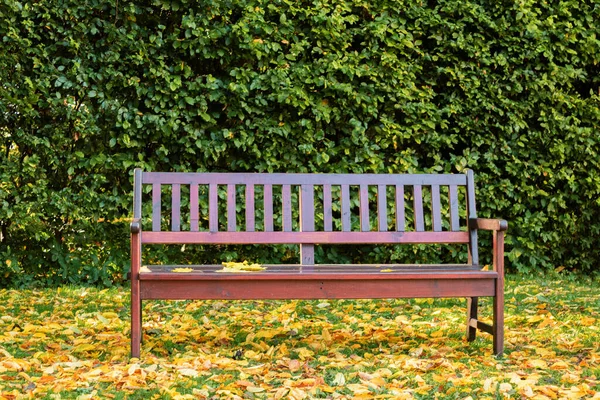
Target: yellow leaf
x,y
255,389
144,268
559,365
84,347
236,267
339,380
188,372
541,364
182,270
387,270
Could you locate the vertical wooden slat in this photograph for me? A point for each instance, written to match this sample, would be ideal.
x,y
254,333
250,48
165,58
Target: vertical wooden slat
x,y
176,207
307,222
249,208
400,216
156,218
286,194
213,208
231,212
194,208
382,208
327,210
268,204
436,212
365,225
346,226
454,216
472,213
418,208
137,193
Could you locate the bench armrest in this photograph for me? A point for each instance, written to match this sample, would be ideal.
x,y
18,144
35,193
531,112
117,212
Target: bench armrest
x,y
488,224
136,225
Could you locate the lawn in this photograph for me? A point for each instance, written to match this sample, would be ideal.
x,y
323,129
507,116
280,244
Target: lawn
x,y
73,343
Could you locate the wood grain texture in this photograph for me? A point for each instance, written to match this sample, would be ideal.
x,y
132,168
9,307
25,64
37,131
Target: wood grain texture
x,y
454,214
472,214
286,194
176,207
321,288
381,208
418,208
194,208
226,178
400,213
327,209
250,223
231,208
436,212
156,207
365,224
303,237
346,226
213,208
268,206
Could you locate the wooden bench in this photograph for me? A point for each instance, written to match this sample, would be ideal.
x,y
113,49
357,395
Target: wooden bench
x,y
309,210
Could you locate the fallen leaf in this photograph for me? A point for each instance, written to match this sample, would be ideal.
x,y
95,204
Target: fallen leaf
x,y
182,270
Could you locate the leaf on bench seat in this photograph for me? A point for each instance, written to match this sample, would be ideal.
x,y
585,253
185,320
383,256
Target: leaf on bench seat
x,y
182,270
241,267
144,268
387,270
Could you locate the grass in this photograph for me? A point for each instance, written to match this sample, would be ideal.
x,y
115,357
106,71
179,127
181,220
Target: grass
x,y
74,343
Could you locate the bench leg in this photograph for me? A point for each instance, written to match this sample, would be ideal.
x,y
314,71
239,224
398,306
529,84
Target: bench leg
x,y
499,322
136,321
471,315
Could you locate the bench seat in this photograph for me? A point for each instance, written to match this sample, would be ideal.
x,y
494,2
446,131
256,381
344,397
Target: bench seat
x,y
337,281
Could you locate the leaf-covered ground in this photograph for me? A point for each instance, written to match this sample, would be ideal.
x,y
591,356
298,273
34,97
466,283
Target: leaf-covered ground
x,y
74,343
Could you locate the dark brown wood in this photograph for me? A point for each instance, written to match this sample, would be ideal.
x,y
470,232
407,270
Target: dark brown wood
x,y
498,307
488,224
306,280
213,208
176,207
346,225
136,299
323,288
400,213
472,303
194,208
381,208
250,208
327,209
482,326
303,237
436,213
418,208
156,208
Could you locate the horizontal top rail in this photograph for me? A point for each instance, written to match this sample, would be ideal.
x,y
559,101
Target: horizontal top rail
x,y
303,237
233,178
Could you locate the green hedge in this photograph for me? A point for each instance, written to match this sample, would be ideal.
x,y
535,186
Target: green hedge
x,y
90,90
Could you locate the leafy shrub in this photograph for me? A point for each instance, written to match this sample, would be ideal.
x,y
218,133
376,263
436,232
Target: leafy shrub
x,y
90,90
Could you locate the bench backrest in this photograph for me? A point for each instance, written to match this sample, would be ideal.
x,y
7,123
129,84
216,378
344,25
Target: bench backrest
x,y
306,209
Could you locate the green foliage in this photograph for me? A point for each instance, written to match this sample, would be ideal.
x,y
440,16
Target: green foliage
x,y
90,90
